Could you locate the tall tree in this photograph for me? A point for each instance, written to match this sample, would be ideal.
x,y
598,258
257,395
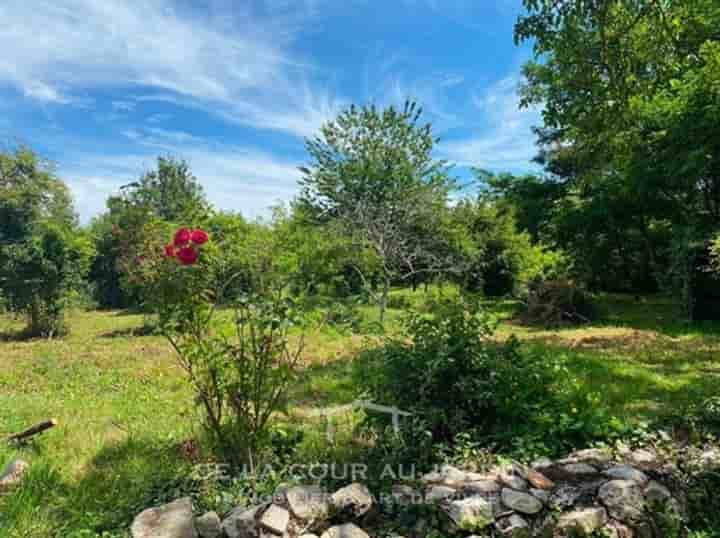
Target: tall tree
x,y
372,174
42,258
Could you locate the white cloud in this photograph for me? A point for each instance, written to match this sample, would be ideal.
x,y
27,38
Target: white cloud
x,y
234,63
235,178
506,142
123,106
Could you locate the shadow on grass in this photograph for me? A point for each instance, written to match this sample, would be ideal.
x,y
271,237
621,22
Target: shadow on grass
x,y
128,332
122,480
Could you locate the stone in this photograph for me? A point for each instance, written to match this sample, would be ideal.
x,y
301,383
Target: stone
x,y
656,493
513,526
565,496
208,525
448,475
539,480
583,522
615,529
570,472
172,520
405,495
439,493
275,519
240,523
512,481
13,474
471,514
307,502
541,463
643,458
625,472
345,531
354,499
482,487
623,500
309,536
520,501
580,469
541,495
594,456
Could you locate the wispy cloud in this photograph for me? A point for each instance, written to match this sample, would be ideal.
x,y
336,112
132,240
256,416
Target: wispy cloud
x,y
235,177
231,62
506,141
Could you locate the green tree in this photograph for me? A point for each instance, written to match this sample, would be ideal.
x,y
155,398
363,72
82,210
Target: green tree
x,y
44,258
630,98
169,194
373,176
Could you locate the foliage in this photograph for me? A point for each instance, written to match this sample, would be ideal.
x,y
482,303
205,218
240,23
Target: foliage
x,y
373,175
160,199
44,258
556,302
240,369
500,259
447,371
630,105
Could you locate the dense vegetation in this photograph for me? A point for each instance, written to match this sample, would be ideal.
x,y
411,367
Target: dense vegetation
x,y
494,319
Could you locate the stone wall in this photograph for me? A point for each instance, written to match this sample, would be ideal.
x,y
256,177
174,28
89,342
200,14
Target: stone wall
x,y
629,494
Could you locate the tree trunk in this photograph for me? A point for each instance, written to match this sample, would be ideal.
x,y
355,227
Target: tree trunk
x,y
384,299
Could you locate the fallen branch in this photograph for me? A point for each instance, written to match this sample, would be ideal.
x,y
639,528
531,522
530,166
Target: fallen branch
x,y
33,430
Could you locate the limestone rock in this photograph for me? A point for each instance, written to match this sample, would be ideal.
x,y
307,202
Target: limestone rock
x,y
172,520
275,519
597,457
208,525
625,472
512,481
439,493
345,531
520,501
405,495
354,499
240,523
471,514
583,522
623,500
307,502
513,527
539,480
643,458
541,495
656,493
13,474
482,487
448,475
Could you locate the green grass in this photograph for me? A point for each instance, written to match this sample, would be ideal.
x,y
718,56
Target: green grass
x,y
125,434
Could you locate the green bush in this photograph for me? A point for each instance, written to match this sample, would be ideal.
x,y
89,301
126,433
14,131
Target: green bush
x,y
448,372
40,274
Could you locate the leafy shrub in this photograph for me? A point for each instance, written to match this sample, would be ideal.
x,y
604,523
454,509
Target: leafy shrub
x,y
558,301
241,368
448,372
40,274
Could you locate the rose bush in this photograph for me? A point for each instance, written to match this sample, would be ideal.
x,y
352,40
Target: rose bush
x,y
239,366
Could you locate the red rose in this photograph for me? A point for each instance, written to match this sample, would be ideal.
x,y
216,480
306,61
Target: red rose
x,y
182,237
199,237
187,255
170,251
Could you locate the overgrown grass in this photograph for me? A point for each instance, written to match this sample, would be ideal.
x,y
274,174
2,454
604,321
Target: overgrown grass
x,y
125,438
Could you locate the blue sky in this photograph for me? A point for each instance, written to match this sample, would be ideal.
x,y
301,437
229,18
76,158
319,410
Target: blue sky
x,y
102,87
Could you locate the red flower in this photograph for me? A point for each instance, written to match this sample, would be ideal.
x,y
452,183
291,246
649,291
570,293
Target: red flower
x,y
170,251
182,237
199,237
187,255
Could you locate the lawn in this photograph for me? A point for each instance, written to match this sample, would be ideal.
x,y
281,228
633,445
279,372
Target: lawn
x,y
125,412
